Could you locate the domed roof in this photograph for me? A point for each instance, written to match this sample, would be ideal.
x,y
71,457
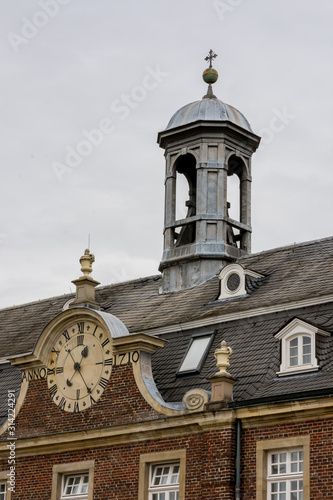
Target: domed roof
x,y
210,109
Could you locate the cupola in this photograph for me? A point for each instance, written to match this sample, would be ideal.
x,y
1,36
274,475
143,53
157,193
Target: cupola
x,y
206,142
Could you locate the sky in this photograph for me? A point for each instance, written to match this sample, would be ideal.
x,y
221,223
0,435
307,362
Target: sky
x,y
86,86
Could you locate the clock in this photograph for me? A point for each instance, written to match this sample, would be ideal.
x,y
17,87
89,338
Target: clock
x,y
79,366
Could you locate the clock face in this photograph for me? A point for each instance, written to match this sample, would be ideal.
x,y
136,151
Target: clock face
x,y
79,367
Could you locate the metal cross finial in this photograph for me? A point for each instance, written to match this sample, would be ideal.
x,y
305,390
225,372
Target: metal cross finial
x,y
210,57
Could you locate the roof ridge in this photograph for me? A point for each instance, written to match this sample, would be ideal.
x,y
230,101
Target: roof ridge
x,y
287,247
67,296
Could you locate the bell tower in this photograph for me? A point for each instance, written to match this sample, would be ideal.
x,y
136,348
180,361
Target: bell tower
x,y
207,142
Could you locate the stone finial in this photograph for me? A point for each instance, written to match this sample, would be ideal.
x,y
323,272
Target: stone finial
x,y
85,284
222,356
222,382
86,262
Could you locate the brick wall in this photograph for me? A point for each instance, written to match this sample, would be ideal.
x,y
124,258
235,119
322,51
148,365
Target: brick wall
x,y
121,402
321,455
209,468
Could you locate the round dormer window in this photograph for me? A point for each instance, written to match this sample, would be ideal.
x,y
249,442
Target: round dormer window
x,y
233,282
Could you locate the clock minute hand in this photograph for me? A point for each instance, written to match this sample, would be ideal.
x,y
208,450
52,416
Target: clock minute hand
x,y
88,390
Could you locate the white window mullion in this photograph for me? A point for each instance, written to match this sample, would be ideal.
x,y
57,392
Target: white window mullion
x,y
164,482
285,475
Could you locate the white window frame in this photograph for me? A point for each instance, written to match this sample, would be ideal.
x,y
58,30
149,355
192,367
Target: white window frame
x,y
61,471
64,486
169,486
4,476
298,329
286,478
225,274
3,497
147,463
265,447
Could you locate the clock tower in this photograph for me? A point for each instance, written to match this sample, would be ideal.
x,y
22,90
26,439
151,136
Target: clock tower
x,y
206,142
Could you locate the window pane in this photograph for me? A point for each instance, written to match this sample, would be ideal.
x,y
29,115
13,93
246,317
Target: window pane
x,y
306,349
3,491
283,468
194,354
283,486
294,342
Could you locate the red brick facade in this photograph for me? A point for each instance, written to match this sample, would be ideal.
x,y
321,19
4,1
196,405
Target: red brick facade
x,y
210,451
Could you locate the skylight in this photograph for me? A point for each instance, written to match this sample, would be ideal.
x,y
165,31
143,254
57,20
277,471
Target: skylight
x,y
196,354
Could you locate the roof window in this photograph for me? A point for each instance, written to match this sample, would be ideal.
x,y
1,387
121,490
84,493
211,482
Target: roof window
x,y
196,353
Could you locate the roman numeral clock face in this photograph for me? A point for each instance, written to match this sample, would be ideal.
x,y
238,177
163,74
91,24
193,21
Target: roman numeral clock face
x,y
79,367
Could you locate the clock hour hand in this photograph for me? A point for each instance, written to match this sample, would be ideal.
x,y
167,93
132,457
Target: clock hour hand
x,y
84,352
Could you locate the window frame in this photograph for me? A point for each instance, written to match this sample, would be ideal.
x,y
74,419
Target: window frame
x,y
60,471
198,368
149,460
64,485
169,487
286,477
4,480
298,329
266,447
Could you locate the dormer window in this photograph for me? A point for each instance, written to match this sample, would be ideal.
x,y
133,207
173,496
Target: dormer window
x,y
298,347
233,279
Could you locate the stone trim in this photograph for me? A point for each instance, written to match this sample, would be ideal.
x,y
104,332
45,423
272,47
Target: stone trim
x,y
59,470
263,447
148,459
172,427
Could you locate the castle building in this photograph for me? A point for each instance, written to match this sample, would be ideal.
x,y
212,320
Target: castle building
x,y
211,380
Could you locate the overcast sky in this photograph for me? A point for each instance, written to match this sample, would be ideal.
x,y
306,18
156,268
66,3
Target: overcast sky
x,y
70,67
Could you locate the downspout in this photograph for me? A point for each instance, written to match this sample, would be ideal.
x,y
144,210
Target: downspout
x,y
238,458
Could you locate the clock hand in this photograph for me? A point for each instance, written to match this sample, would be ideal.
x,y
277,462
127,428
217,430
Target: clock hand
x,y
88,389
69,352
84,353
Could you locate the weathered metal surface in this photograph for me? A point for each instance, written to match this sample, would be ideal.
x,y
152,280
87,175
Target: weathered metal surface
x,y
210,110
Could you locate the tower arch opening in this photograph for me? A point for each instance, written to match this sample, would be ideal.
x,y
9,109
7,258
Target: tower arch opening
x,y
237,209
186,203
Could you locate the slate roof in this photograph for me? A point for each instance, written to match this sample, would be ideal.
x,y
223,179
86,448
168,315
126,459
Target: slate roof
x,y
289,274
255,360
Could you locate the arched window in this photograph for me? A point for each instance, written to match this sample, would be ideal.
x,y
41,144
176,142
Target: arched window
x,y
235,169
298,347
299,351
185,169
